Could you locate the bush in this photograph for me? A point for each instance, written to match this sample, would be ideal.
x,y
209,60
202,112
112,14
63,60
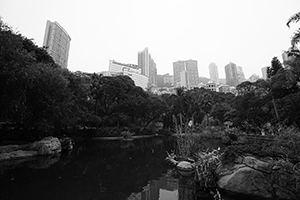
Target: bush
x,y
164,132
108,132
285,144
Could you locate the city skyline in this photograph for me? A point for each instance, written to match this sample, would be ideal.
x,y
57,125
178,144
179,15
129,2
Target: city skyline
x,y
218,31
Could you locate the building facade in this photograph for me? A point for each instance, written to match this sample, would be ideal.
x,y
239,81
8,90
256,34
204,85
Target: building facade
x,y
147,66
131,70
168,80
191,68
223,88
213,73
240,74
211,85
231,74
57,42
184,79
165,80
253,78
264,72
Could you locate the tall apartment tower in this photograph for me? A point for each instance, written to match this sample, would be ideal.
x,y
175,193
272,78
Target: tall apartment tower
x,y
147,65
57,41
264,72
191,67
231,74
213,72
240,74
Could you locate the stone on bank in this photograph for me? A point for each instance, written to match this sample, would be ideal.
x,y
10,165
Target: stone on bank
x,y
265,177
46,146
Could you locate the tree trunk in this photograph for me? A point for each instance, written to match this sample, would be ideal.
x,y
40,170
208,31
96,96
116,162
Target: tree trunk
x,y
180,126
275,108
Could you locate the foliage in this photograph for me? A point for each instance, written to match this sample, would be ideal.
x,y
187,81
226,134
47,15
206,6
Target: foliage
x,y
284,144
37,96
206,165
294,19
126,134
185,146
275,67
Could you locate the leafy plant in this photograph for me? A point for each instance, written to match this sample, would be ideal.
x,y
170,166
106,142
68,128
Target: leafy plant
x,y
206,165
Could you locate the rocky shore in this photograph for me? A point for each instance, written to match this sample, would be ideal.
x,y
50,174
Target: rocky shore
x,y
260,177
46,146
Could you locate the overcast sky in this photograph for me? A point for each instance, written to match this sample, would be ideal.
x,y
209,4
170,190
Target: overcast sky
x,y
247,32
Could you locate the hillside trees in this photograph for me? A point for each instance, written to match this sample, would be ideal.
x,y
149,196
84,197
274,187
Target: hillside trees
x,y
33,91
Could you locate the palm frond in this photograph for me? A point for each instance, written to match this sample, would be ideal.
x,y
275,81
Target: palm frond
x,y
294,18
295,38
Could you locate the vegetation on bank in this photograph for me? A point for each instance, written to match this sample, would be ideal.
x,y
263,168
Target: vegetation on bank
x,y
267,107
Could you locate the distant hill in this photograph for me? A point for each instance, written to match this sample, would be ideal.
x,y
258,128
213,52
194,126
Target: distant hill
x,y
222,81
203,80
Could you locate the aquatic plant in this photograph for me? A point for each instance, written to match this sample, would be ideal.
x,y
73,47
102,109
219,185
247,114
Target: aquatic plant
x,y
206,164
127,134
185,146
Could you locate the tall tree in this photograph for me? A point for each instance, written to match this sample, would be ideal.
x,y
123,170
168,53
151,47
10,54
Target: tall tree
x,y
275,67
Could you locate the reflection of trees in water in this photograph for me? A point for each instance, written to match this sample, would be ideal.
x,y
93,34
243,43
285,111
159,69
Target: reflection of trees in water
x,y
117,170
183,188
37,162
99,170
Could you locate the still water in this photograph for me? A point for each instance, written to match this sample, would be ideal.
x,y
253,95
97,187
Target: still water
x,y
110,170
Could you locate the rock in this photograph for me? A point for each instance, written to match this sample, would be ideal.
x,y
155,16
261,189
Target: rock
x,y
258,177
47,146
185,168
66,143
9,148
19,154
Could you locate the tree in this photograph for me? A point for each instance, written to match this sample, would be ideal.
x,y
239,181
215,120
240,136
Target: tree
x,y
275,67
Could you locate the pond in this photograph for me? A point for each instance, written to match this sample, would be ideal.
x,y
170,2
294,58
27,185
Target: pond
x,y
111,170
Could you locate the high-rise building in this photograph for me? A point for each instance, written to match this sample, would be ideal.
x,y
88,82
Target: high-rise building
x,y
184,79
231,74
240,74
131,70
253,78
168,79
177,68
57,42
191,67
264,72
213,73
147,65
165,80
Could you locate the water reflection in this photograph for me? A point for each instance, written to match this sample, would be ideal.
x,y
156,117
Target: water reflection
x,y
166,187
113,170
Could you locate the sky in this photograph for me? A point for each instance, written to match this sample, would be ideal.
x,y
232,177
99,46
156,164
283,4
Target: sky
x,y
248,33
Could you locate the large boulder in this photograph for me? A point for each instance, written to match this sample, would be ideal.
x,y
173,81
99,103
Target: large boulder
x,y
265,178
47,146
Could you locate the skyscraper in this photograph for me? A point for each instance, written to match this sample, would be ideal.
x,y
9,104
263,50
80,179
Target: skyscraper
x,y
231,74
147,65
213,73
240,75
191,67
57,41
264,72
